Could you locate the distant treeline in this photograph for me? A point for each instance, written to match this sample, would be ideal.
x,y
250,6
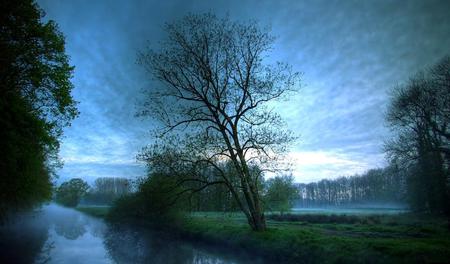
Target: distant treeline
x,y
106,189
377,186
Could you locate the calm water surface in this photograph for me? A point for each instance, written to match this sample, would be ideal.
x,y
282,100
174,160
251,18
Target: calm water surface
x,y
55,234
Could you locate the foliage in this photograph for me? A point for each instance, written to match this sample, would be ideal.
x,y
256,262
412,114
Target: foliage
x,y
214,96
35,103
157,201
36,66
25,178
70,193
126,208
280,193
216,197
419,116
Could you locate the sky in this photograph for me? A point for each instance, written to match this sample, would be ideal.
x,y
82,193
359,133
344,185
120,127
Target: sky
x,y
351,55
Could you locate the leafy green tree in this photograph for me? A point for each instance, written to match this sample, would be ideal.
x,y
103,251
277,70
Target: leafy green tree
x,y
35,103
280,193
70,193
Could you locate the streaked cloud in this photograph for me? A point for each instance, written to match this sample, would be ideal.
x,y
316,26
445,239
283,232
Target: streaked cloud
x,y
351,53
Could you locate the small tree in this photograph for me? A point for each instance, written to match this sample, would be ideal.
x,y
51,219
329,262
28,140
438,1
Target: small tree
x,y
214,94
70,193
155,201
280,193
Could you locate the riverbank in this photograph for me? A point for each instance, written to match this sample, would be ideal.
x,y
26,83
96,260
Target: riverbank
x,y
398,239
403,238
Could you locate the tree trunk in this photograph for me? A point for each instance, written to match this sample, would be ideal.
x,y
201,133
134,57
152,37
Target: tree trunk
x,y
256,217
259,221
253,212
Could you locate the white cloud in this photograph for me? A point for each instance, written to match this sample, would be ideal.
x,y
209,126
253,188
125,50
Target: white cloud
x,y
309,166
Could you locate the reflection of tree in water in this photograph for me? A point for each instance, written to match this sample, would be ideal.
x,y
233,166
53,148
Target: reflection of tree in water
x,y
44,256
70,227
22,241
97,229
202,258
132,245
126,245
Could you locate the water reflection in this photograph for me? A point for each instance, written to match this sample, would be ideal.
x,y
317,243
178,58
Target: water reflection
x,y
133,245
22,239
56,234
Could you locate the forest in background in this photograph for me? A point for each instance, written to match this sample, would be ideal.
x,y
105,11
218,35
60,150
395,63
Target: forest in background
x,y
385,187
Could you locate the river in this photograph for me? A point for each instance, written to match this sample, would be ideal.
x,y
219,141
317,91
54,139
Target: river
x,y
54,234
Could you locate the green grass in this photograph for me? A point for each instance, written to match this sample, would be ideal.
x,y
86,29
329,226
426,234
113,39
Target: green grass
x,y
399,238
395,239
96,211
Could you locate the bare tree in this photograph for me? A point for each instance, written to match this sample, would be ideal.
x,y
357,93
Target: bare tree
x,y
214,92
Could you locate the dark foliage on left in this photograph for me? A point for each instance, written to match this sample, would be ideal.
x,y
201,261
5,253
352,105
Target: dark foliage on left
x,y
35,103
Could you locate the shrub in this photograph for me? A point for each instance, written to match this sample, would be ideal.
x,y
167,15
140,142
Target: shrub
x,y
158,200
70,192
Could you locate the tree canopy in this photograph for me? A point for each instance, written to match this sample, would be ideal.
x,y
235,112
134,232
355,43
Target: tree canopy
x,y
69,193
35,105
280,193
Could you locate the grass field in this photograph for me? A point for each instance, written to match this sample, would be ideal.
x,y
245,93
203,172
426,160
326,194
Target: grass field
x,y
402,238
324,238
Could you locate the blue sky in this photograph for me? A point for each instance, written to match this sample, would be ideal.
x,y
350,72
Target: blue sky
x,y
351,54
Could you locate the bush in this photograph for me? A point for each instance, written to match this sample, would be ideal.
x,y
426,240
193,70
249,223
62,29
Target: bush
x,y
158,200
70,192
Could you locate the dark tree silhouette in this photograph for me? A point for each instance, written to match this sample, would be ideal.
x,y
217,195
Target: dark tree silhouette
x,y
69,193
35,102
214,95
419,115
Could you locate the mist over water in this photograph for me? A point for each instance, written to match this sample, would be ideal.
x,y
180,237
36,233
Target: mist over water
x,y
54,234
363,210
